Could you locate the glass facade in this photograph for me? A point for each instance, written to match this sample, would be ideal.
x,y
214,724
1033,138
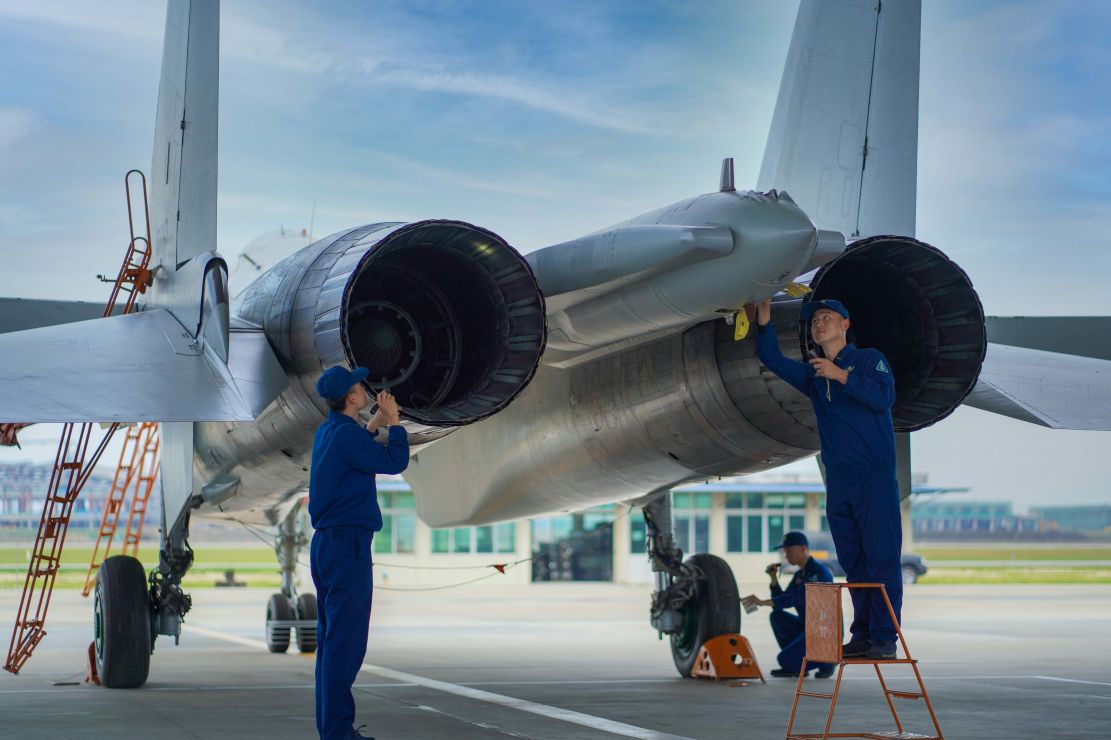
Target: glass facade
x,y
491,538
399,523
690,514
756,522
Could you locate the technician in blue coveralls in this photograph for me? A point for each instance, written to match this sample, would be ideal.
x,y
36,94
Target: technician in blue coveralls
x,y
343,507
790,630
852,391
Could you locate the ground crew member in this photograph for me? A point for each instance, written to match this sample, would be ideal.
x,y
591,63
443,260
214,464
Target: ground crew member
x,y
852,391
790,630
343,507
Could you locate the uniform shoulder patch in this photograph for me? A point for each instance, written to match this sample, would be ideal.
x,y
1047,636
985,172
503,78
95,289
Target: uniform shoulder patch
x,y
882,367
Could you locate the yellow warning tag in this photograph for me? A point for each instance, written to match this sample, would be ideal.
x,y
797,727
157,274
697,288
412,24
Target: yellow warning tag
x,y
796,290
740,325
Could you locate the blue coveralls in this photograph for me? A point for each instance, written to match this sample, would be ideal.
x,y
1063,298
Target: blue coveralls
x,y
790,630
862,495
343,507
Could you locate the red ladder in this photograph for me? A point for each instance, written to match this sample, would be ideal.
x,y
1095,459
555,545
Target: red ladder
x,y
144,484
129,474
72,464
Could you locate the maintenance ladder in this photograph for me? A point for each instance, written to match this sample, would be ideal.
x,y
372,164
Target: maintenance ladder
x,y
73,464
137,471
823,645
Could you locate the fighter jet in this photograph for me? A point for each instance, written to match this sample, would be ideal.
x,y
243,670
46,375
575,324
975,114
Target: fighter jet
x,y
609,368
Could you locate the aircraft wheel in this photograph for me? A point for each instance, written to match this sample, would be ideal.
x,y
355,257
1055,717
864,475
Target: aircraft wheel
x,y
278,608
306,636
910,575
714,610
121,623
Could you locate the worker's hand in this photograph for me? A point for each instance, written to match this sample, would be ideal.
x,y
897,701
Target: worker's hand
x,y
764,312
387,406
824,368
772,570
752,600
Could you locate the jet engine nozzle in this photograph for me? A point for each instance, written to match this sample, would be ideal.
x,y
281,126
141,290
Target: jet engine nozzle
x,y
918,307
446,316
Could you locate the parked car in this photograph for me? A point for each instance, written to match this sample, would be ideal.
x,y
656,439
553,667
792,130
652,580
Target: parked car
x,y
821,547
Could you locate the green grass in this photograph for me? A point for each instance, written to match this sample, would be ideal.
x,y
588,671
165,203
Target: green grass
x,y
214,557
1015,576
1014,552
254,564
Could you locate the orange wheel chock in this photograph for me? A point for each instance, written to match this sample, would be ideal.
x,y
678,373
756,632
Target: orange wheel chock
x,y
726,656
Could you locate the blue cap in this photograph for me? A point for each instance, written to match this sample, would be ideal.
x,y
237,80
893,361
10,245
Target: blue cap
x,y
793,538
337,380
808,309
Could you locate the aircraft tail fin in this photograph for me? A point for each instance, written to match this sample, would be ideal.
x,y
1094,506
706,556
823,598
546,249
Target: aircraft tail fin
x,y
844,135
183,166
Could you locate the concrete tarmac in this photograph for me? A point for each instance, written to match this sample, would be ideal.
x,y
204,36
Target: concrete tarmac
x,y
570,661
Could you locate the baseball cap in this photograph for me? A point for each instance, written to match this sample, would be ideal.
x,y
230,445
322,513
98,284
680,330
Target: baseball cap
x,y
337,380
808,309
793,538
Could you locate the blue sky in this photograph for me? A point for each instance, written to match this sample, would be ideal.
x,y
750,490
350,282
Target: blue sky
x,y
543,121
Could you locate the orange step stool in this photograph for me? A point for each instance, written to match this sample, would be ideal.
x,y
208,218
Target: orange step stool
x,y
823,645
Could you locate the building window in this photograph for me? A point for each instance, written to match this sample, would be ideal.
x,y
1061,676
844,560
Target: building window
x,y
475,540
399,523
637,535
690,515
756,522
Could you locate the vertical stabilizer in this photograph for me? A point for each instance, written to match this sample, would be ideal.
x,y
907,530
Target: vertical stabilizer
x,y
844,136
183,169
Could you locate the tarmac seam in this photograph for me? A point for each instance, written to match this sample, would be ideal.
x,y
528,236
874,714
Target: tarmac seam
x,y
565,715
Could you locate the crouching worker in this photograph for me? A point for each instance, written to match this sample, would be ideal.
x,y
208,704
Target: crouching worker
x,y
343,507
790,630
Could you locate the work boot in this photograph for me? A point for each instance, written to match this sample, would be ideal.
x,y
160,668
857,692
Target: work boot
x,y
825,672
858,647
882,651
784,673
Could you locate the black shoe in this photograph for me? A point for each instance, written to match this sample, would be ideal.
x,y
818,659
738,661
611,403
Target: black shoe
x,y
784,673
882,651
357,735
824,672
856,648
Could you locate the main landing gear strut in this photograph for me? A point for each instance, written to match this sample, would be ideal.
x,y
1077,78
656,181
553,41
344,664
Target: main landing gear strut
x,y
695,599
289,611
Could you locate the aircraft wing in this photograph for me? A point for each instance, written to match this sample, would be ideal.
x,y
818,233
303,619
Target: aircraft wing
x,y
1056,390
137,367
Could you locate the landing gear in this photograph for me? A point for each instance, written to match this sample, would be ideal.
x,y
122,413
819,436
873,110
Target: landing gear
x,y
278,610
694,599
713,610
306,612
121,623
288,610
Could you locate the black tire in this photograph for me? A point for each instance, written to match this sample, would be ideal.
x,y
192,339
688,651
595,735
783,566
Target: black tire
x,y
121,623
910,574
714,610
306,636
278,608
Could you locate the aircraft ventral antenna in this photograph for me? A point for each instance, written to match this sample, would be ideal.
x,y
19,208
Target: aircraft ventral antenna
x,y
726,185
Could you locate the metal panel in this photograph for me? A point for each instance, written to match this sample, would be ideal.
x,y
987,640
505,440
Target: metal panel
x,y
823,622
123,368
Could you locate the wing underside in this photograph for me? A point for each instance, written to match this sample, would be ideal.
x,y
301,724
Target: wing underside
x,y
1048,388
